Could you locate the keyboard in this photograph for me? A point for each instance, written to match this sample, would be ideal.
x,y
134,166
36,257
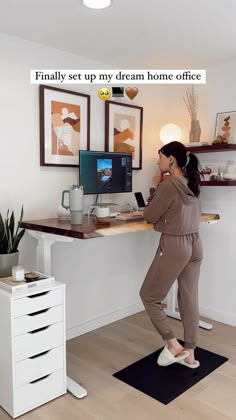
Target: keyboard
x,y
137,215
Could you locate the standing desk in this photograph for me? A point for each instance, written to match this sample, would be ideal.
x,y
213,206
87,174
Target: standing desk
x,y
48,231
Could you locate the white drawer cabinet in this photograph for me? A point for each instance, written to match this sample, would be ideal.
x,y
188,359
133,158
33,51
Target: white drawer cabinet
x,y
37,320
36,393
32,350
38,341
37,302
38,366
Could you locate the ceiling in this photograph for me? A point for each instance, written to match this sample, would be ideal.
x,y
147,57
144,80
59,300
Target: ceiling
x,y
154,34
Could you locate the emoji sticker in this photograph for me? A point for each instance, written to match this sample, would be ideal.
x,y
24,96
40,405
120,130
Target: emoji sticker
x,y
117,92
131,92
104,93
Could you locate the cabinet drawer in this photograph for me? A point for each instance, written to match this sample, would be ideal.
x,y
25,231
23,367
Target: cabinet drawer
x,y
38,366
33,394
38,341
37,302
37,320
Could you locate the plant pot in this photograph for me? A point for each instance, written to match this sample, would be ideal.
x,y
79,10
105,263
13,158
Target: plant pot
x,y
195,132
7,261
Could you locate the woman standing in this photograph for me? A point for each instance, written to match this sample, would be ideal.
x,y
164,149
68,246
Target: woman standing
x,y
175,210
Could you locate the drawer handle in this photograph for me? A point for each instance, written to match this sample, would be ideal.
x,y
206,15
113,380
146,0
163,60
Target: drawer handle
x,y
40,379
39,312
39,355
38,294
38,330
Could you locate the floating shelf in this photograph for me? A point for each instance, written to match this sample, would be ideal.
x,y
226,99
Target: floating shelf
x,y
212,148
219,183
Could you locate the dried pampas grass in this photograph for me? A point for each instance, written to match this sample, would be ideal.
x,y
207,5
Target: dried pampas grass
x,y
191,102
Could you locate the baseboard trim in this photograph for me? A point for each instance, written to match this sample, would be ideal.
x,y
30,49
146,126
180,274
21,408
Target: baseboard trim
x,y
103,320
224,317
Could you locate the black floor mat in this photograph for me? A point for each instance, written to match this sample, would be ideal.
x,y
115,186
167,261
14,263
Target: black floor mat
x,y
167,383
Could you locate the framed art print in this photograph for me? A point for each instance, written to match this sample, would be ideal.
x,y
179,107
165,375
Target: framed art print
x,y
123,130
226,126
64,126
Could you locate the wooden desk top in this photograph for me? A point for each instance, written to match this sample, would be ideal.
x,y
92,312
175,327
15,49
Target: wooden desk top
x,y
89,229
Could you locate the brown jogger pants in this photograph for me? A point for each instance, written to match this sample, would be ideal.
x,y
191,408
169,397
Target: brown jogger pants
x,y
177,257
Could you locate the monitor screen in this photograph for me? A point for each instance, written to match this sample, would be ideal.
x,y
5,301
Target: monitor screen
x,y
105,172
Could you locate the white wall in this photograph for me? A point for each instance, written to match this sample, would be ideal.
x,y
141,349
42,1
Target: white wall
x,y
91,265
218,287
119,263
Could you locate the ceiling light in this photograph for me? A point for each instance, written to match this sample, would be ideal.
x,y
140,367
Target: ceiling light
x,y
97,4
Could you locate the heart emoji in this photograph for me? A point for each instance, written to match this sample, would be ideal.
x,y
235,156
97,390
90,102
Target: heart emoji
x,y
131,92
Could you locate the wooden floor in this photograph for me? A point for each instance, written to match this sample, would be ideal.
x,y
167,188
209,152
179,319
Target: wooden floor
x,y
94,357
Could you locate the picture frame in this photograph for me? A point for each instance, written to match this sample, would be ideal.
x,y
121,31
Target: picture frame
x,y
64,126
123,130
226,126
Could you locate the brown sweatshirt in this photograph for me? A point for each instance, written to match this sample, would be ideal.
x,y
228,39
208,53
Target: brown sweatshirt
x,y
173,208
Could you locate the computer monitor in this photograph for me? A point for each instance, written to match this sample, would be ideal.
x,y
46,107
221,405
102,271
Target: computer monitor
x,y
105,172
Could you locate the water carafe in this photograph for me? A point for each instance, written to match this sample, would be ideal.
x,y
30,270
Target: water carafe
x,y
76,203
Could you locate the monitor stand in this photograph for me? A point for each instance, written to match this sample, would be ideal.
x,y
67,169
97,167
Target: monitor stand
x,y
99,203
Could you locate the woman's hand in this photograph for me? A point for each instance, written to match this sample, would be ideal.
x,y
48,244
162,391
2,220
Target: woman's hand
x,y
157,179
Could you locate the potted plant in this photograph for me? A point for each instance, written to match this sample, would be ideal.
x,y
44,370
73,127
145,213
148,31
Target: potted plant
x,y
9,241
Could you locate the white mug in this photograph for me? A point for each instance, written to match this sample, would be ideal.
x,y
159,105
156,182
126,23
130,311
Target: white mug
x,y
102,212
103,215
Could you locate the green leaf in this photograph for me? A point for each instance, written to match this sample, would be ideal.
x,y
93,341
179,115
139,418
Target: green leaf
x,y
12,223
17,240
2,230
8,237
21,217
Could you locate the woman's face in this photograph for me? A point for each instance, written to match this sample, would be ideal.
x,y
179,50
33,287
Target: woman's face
x,y
164,163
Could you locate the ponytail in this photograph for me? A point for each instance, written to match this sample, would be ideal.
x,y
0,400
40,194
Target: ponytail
x,y
193,173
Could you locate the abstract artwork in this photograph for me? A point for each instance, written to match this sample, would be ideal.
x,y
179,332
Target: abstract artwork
x,y
64,126
123,130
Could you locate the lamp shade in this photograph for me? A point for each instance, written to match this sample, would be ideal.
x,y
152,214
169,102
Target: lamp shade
x,y
97,4
170,132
